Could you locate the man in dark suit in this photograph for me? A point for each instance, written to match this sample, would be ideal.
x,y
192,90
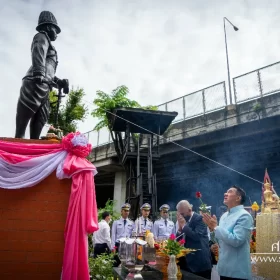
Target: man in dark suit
x,y
196,236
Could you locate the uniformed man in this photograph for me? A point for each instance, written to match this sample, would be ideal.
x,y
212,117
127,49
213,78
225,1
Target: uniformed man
x,y
143,223
163,227
122,227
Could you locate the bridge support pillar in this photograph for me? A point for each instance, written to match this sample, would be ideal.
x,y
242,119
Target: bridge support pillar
x,y
119,190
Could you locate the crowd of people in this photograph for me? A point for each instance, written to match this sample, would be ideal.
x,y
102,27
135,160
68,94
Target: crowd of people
x,y
229,239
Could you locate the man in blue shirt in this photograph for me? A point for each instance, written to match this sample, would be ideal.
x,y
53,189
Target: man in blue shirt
x,y
233,236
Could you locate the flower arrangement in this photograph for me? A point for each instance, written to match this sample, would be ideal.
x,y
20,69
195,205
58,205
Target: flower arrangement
x,y
173,247
54,130
253,242
203,207
53,133
255,207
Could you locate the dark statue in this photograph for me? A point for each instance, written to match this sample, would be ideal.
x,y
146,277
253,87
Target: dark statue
x,y
33,103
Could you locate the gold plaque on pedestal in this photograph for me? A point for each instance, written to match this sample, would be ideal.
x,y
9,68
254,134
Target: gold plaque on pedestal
x,y
267,257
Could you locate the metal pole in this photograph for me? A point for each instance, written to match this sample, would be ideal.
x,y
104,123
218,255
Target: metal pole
x,y
203,102
229,84
184,108
260,83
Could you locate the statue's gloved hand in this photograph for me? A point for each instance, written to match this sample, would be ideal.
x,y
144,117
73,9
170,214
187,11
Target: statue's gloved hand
x,y
64,84
38,79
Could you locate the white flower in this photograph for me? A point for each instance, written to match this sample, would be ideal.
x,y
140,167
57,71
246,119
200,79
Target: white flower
x,y
80,140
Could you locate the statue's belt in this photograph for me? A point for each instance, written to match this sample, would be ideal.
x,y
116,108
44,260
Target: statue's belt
x,y
51,84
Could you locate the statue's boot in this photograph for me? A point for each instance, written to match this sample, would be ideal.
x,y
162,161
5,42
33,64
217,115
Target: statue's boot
x,y
24,114
39,120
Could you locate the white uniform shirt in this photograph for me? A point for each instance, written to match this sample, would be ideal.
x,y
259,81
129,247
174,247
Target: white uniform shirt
x,y
120,230
102,235
163,229
140,226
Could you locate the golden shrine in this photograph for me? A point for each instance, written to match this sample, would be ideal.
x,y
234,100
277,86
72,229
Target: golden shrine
x,y
270,199
266,258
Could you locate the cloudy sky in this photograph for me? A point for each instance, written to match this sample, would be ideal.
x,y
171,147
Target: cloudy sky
x,y
160,49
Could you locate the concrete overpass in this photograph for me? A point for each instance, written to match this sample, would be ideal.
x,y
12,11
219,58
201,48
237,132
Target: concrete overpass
x,y
227,126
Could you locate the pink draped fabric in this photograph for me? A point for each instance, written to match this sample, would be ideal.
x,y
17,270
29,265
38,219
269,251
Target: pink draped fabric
x,y
81,218
14,152
82,210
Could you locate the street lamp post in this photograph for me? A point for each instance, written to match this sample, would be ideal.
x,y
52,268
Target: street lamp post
x,y
235,29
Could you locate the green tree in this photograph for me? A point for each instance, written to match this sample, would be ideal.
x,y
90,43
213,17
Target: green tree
x,y
105,102
72,111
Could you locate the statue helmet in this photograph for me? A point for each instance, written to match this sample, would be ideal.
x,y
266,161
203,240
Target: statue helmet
x,y
47,17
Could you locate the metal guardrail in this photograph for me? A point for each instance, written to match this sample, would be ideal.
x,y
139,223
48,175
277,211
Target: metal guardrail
x,y
257,83
252,85
197,103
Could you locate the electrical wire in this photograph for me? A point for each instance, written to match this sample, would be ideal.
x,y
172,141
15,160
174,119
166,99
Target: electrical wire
x,y
185,148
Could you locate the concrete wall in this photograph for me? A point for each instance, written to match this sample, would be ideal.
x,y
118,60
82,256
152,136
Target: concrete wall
x,y
230,116
32,224
181,173
234,136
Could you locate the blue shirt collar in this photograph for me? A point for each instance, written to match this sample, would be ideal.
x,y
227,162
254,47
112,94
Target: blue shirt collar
x,y
235,209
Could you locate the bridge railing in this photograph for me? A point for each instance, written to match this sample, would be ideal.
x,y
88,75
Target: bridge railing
x,y
99,138
188,106
257,83
252,85
197,103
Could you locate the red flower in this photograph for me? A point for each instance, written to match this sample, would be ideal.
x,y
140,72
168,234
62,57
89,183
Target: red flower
x,y
77,150
182,241
198,195
172,237
156,246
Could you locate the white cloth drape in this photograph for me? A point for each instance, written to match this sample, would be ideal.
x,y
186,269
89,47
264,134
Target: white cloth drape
x,y
30,172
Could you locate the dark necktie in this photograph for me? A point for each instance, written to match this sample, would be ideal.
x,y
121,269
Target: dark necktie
x,y
165,221
145,222
124,222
